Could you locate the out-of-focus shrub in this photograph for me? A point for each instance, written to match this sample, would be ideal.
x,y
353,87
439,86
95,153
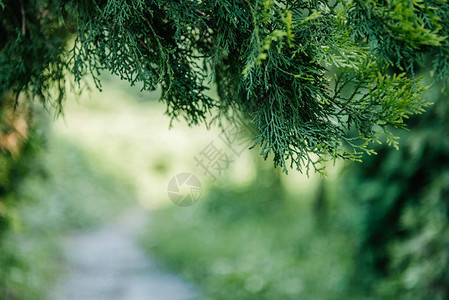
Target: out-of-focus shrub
x,y
20,141
402,201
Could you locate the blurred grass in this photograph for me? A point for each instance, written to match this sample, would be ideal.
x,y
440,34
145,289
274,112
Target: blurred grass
x,y
244,243
76,190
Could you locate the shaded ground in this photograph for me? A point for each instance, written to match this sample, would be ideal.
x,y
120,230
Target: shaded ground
x,y
108,264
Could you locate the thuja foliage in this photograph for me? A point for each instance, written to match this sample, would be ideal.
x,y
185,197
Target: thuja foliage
x,y
403,214
319,79
32,43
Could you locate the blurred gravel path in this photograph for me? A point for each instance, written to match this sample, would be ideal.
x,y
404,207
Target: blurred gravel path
x,y
107,264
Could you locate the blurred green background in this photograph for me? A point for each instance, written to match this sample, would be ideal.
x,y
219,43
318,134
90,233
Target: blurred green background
x,y
372,230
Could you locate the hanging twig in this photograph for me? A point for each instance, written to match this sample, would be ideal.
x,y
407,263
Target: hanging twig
x,y
22,11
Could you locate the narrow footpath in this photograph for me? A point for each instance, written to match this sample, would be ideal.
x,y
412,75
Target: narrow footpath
x,y
108,264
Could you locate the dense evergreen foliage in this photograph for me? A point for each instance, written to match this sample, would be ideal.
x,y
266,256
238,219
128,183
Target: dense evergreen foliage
x,y
32,43
269,59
